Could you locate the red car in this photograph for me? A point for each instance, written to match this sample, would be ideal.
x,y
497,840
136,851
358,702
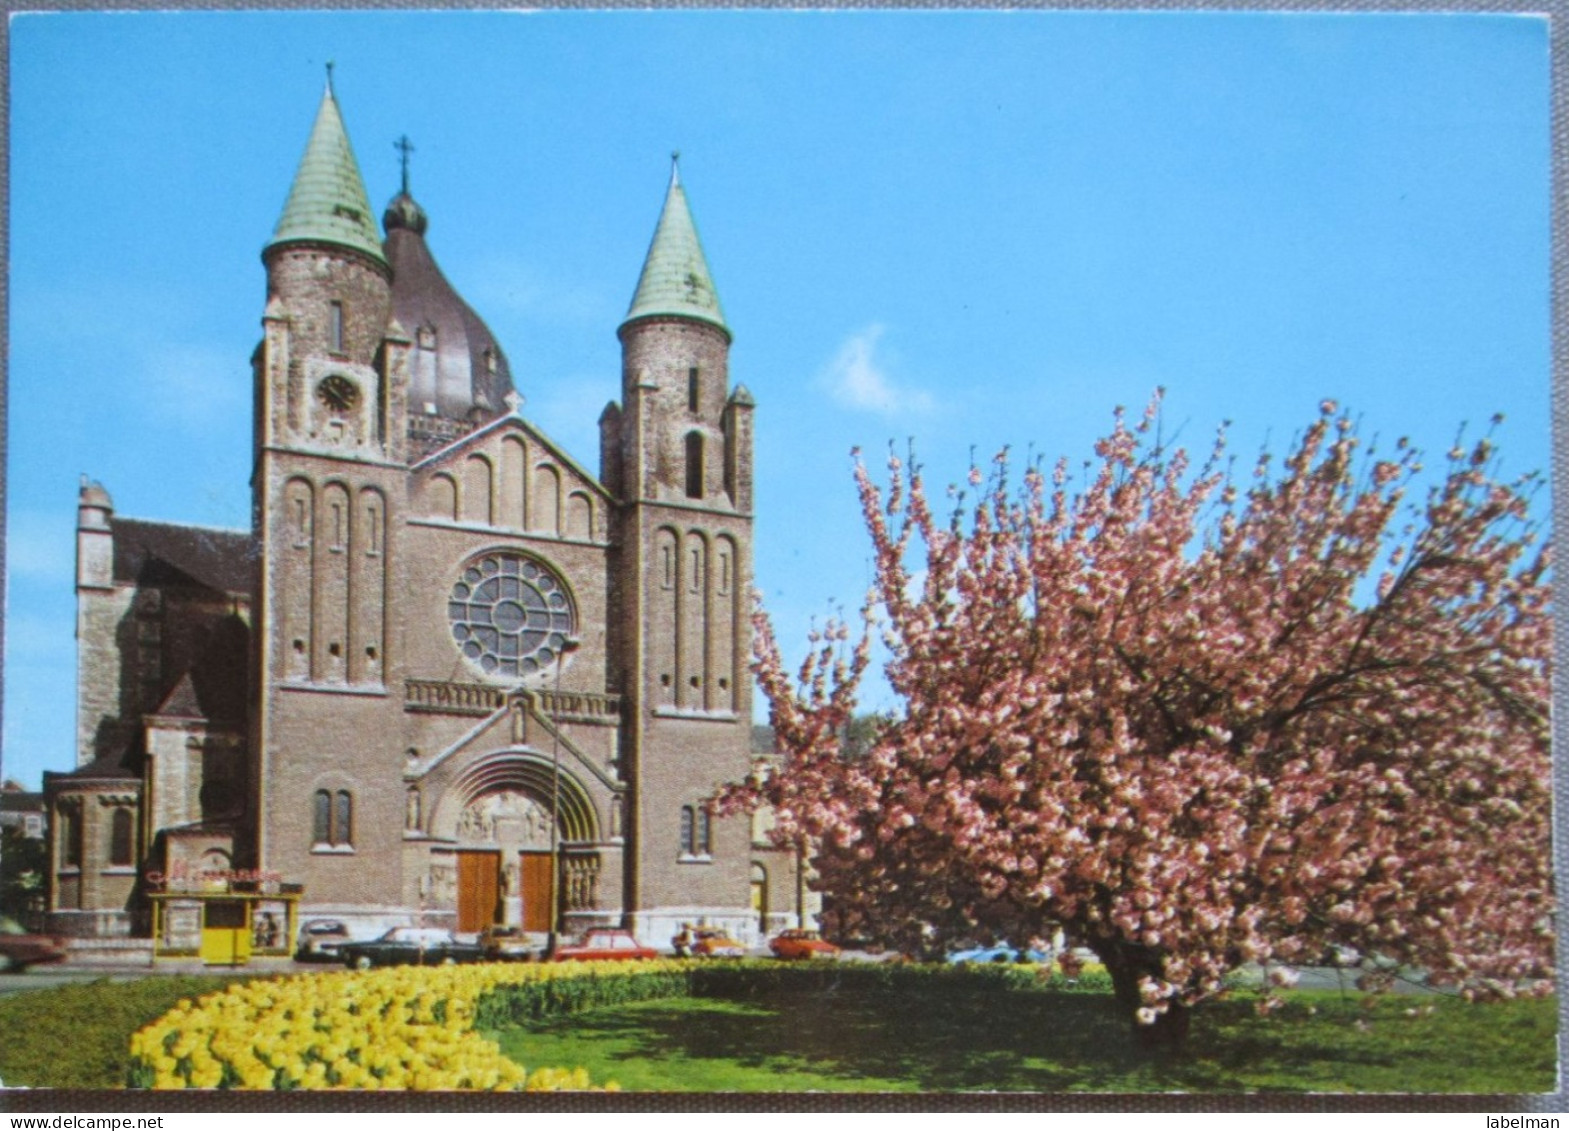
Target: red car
x,y
798,944
19,949
604,944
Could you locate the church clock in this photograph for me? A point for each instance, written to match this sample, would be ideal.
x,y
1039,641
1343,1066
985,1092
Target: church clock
x,y
338,393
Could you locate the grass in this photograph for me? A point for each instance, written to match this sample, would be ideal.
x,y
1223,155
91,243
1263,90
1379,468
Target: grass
x,y
792,1029
79,1036
1044,1041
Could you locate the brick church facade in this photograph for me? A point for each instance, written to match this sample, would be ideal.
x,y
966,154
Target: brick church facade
x,y
450,676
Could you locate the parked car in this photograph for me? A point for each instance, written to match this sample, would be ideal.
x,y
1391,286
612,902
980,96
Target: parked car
x,y
604,944
508,944
714,942
998,952
321,940
410,946
796,944
705,942
20,948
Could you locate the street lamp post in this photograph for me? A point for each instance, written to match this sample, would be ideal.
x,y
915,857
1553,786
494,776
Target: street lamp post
x,y
566,649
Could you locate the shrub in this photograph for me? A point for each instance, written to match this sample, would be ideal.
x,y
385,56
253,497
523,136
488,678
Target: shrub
x,y
76,1036
519,1003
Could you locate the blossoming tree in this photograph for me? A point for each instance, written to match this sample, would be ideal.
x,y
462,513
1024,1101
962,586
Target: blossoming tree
x,y
1192,723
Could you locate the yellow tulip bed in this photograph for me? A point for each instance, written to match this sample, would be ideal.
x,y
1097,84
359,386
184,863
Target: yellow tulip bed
x,y
421,1028
403,1027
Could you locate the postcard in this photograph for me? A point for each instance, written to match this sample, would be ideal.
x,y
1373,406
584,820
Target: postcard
x,y
779,552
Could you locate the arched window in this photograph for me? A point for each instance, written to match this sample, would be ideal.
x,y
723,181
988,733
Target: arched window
x,y
321,822
694,465
696,831
121,849
332,819
343,822
70,839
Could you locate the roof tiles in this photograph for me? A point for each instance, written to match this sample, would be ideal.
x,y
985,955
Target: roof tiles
x,y
327,202
676,280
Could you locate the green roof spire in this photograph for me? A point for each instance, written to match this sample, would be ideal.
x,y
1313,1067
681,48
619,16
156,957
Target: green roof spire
x,y
327,202
675,279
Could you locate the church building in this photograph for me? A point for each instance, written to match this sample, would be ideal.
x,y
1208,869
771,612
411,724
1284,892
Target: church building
x,y
450,676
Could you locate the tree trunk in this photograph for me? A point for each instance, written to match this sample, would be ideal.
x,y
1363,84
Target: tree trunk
x,y
1128,965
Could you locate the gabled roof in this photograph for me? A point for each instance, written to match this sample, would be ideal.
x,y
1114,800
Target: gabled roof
x,y
214,689
181,702
110,767
676,280
327,201
475,438
166,553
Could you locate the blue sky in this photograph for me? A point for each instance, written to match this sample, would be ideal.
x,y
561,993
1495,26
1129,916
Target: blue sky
x,y
969,229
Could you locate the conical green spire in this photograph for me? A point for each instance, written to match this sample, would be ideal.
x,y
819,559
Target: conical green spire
x,y
327,202
675,279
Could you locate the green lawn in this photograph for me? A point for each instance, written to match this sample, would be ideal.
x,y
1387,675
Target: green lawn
x,y
781,1034
1041,1041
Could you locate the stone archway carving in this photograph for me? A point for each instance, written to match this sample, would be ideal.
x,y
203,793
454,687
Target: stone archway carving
x,y
515,772
509,817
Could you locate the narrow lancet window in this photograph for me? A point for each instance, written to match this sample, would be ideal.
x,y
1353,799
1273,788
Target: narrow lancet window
x,y
694,465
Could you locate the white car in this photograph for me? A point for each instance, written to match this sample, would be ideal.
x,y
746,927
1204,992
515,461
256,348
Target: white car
x,y
321,940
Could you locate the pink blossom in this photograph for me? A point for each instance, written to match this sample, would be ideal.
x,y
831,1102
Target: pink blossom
x,y
1193,724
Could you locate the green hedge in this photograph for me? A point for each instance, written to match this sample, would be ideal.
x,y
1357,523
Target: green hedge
x,y
747,979
79,1036
507,1006
522,1003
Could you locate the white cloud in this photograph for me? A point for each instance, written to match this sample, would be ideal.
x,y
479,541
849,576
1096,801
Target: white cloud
x,y
857,379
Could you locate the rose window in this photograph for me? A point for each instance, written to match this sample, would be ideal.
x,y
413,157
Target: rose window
x,y
510,615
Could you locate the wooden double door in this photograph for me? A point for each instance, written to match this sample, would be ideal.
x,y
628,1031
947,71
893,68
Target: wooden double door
x,y
485,883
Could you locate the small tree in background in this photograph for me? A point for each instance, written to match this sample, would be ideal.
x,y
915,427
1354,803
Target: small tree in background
x,y
23,860
1196,725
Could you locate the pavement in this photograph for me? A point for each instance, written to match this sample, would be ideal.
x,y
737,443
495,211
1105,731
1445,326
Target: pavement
x,y
67,973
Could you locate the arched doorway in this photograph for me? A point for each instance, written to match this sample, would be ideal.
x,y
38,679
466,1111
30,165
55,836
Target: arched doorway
x,y
504,870
504,873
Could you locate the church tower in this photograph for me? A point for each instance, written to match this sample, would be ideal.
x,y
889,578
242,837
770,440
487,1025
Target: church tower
x,y
327,488
677,453
448,678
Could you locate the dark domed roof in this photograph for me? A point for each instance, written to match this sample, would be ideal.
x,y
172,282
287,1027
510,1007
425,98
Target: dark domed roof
x,y
457,371
405,212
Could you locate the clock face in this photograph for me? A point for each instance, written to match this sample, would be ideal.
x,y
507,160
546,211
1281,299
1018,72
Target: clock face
x,y
338,393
